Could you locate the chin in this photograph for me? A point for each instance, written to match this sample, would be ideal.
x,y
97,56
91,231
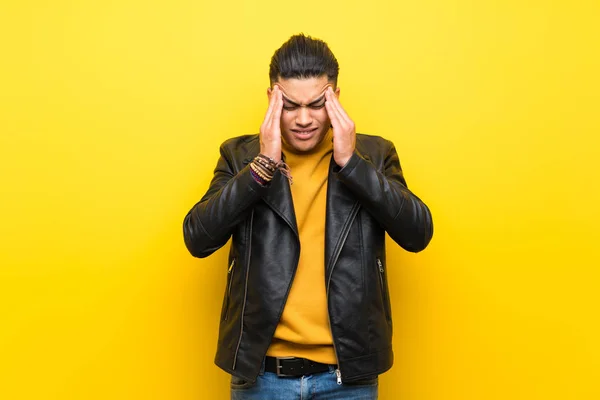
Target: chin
x,y
305,145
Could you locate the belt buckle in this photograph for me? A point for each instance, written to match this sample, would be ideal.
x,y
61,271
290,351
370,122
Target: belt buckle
x,y
279,366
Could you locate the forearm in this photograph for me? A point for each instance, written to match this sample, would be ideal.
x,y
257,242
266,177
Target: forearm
x,y
209,224
385,195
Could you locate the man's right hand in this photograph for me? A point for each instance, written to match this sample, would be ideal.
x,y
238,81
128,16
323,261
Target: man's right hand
x,y
270,130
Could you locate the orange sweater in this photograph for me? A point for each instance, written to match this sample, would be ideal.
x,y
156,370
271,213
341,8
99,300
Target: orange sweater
x,y
303,330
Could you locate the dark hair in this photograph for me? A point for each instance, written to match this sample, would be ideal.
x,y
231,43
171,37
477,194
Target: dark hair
x,y
303,57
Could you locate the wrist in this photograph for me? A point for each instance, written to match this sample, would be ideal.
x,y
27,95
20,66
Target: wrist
x,y
275,155
342,161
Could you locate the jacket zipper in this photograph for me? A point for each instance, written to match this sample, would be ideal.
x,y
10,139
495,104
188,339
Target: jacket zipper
x,y
383,291
338,373
229,280
343,237
380,265
237,349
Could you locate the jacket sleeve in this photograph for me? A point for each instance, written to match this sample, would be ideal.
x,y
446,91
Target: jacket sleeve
x,y
385,195
209,224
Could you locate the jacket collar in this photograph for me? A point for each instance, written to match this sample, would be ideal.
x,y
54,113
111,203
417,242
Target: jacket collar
x,y
341,207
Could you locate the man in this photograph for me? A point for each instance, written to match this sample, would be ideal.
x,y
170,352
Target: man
x,y
307,203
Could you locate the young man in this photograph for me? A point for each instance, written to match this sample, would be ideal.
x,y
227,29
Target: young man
x,y
307,203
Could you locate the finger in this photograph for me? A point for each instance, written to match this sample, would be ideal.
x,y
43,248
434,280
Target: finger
x,y
338,128
272,126
335,121
277,102
272,101
333,113
278,107
338,106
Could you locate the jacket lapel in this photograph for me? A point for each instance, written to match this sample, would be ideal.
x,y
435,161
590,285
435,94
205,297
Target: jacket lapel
x,y
341,209
279,196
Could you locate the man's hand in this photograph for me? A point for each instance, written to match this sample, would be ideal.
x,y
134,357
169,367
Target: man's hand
x,y
344,131
270,130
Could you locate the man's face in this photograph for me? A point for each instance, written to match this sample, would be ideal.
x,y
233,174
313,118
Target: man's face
x,y
304,119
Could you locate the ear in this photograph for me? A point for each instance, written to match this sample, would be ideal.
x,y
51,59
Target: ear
x,y
269,93
337,92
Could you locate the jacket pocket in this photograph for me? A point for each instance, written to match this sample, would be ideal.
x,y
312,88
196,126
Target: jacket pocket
x,y
384,290
230,272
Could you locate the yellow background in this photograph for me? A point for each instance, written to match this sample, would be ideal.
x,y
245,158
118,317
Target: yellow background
x,y
111,113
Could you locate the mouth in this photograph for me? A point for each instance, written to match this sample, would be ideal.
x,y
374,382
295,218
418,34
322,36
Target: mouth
x,y
304,133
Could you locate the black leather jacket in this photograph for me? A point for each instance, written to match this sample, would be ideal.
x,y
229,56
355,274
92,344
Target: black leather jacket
x,y
365,199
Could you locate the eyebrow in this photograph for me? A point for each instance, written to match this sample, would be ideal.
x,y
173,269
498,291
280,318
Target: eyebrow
x,y
309,104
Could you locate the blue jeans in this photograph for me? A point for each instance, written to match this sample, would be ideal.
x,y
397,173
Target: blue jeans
x,y
269,386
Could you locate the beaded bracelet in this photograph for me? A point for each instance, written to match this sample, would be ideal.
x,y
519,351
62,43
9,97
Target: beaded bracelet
x,y
264,167
270,165
261,168
257,178
259,172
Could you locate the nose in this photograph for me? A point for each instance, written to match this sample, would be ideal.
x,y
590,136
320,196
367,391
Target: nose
x,y
303,117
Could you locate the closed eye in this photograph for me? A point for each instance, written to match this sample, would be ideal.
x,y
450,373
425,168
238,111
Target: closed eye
x,y
289,105
318,104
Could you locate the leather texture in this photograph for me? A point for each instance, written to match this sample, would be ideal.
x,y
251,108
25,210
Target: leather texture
x,y
365,199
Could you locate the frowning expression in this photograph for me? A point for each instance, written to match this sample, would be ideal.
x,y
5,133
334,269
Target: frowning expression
x,y
304,119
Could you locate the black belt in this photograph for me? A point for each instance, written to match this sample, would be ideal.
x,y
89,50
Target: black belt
x,y
293,366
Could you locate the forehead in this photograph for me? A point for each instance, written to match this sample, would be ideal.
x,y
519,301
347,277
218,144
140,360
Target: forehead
x,y
303,90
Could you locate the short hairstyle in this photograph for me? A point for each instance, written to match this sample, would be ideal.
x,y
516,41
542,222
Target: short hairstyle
x,y
303,57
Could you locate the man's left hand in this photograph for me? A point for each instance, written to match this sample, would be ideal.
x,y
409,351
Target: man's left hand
x,y
344,131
